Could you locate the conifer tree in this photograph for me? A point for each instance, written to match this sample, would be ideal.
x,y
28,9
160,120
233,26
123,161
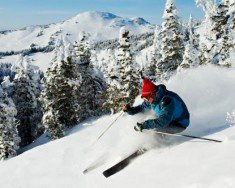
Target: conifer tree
x,y
152,69
219,19
60,102
107,64
227,43
25,90
209,9
221,40
129,79
123,82
218,40
113,85
191,54
172,47
205,45
231,13
204,55
9,138
6,70
90,90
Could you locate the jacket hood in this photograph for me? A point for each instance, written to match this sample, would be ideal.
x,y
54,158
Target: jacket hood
x,y
161,91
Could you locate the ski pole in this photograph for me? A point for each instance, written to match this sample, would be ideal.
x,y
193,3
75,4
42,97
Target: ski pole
x,y
122,112
189,136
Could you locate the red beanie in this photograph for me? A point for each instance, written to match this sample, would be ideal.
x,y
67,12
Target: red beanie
x,y
148,88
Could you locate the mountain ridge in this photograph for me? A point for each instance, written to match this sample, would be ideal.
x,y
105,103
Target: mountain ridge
x,y
99,25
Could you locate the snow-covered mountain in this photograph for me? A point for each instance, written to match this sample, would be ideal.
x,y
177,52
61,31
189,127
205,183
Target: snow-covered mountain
x,y
99,25
176,162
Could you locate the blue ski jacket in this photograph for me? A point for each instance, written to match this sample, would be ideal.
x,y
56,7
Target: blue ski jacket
x,y
168,107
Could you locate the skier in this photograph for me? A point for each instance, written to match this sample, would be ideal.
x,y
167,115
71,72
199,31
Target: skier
x,y
172,113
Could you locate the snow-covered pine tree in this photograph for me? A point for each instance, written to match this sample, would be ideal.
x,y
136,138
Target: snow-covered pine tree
x,y
89,92
6,70
231,12
205,44
191,54
123,80
172,47
228,40
217,40
113,85
220,19
9,138
24,91
129,79
209,9
36,75
107,63
155,56
221,41
204,54
60,101
150,70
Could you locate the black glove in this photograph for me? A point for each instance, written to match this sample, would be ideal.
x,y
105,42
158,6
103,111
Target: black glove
x,y
138,127
126,107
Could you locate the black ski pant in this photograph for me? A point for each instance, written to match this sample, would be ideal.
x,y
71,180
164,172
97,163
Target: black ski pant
x,y
173,128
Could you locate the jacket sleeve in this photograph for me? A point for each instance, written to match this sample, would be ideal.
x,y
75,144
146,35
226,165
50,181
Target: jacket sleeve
x,y
165,117
139,108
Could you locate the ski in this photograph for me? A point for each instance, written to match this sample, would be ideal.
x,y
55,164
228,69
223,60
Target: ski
x,y
93,167
99,162
123,163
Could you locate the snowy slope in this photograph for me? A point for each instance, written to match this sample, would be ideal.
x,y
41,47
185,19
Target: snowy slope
x,y
100,26
177,162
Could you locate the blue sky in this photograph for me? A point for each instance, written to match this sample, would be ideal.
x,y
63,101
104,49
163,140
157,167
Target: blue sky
x,y
20,13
